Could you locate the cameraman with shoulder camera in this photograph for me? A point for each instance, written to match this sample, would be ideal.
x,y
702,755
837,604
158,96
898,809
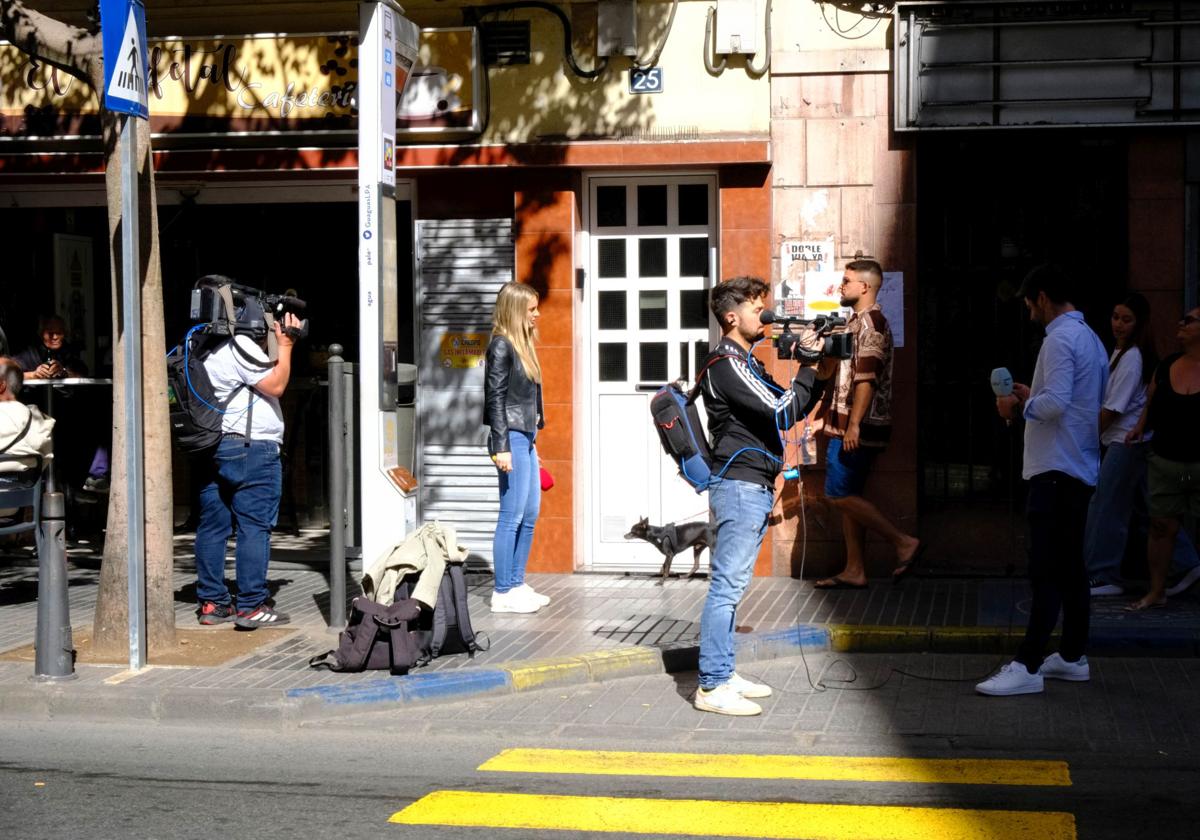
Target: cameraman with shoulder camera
x,y
858,423
747,411
242,479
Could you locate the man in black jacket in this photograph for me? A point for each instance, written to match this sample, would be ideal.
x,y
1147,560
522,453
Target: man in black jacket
x,y
748,413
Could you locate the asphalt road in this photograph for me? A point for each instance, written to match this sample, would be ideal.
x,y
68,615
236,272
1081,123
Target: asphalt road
x,y
349,779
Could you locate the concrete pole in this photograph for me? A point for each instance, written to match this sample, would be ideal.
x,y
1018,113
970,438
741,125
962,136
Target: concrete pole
x,y
55,656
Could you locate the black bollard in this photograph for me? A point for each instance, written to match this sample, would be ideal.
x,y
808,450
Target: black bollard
x,y
337,489
55,656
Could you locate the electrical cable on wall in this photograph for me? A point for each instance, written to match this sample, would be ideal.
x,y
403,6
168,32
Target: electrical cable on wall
x,y
711,66
653,60
756,72
878,11
568,50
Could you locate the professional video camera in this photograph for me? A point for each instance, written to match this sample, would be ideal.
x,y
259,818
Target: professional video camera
x,y
227,308
838,345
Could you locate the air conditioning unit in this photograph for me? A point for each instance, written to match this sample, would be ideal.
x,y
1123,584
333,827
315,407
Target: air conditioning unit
x,y
739,26
616,28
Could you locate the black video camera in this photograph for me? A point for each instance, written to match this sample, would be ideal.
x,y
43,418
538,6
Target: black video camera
x,y
253,310
787,344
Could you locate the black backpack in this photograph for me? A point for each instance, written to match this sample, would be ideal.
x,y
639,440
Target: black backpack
x,y
677,421
445,629
195,412
376,637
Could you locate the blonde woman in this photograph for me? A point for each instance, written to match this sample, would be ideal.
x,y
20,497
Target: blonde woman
x,y
513,410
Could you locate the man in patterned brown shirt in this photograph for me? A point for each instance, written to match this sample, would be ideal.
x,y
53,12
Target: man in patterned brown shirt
x,y
858,422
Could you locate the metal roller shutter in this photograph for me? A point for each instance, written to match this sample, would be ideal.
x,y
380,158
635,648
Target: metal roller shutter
x,y
463,264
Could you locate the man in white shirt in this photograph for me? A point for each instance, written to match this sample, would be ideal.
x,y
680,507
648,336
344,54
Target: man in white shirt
x,y
24,431
242,480
1061,464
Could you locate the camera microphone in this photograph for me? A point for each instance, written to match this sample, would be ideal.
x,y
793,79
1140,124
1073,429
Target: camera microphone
x,y
1002,382
768,316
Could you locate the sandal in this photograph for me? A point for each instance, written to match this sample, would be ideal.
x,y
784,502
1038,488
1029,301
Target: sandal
x,y
902,570
837,583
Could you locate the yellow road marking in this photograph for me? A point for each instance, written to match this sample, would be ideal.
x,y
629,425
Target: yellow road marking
x,y
959,771
802,821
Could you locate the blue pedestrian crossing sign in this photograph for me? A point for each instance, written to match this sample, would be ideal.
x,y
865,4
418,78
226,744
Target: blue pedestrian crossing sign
x,y
123,25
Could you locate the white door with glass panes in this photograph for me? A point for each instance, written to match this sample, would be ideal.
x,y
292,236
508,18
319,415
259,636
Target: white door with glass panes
x,y
652,259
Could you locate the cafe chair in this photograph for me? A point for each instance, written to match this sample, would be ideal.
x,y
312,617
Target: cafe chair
x,y
22,490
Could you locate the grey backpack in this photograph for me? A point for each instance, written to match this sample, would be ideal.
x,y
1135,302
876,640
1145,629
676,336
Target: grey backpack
x,y
447,627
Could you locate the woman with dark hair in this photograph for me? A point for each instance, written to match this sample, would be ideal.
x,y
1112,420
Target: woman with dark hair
x,y
1121,491
1173,414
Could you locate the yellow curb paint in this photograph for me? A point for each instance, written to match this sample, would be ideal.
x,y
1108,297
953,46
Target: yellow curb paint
x,y
955,771
541,673
802,821
602,663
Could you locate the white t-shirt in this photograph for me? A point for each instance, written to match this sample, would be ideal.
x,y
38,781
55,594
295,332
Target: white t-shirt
x,y
1125,394
227,369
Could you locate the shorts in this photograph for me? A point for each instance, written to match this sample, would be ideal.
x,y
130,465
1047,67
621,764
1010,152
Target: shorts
x,y
846,472
1174,487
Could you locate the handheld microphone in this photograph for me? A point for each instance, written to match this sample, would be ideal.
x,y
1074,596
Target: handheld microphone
x,y
1002,382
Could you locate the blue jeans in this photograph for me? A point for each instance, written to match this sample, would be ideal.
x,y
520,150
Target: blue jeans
x,y
520,501
1119,499
739,510
242,484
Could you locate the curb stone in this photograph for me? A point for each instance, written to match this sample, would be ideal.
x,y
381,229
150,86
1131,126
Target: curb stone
x,y
277,708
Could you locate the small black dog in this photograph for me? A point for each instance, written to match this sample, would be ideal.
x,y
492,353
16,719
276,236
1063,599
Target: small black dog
x,y
671,539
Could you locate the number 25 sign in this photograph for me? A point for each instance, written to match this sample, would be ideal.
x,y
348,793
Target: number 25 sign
x,y
649,80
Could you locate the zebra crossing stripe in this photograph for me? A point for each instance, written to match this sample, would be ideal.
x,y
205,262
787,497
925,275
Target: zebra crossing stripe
x,y
959,771
783,820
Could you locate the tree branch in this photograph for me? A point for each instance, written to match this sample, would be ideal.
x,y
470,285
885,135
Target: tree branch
x,y
41,37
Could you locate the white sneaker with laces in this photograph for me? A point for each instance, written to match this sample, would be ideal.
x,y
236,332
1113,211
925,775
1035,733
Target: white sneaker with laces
x,y
512,601
749,689
1057,668
1099,587
1185,582
1013,678
528,591
724,700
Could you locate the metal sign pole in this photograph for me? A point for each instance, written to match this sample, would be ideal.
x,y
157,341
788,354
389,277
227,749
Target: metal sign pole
x,y
131,322
123,26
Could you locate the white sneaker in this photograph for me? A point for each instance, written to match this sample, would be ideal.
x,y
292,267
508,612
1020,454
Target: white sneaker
x,y
512,601
724,700
748,689
1057,668
1185,582
528,591
1013,678
1099,587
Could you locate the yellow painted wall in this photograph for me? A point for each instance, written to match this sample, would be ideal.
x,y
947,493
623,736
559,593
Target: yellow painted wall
x,y
545,100
542,100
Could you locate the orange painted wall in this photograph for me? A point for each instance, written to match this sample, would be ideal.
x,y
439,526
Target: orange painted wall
x,y
745,248
544,229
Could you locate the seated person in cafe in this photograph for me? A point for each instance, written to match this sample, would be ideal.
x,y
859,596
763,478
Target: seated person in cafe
x,y
24,432
50,358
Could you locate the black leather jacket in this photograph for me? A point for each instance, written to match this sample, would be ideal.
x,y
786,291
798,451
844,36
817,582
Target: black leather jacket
x,y
511,400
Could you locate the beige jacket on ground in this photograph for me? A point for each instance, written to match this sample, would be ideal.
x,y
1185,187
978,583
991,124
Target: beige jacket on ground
x,y
426,551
